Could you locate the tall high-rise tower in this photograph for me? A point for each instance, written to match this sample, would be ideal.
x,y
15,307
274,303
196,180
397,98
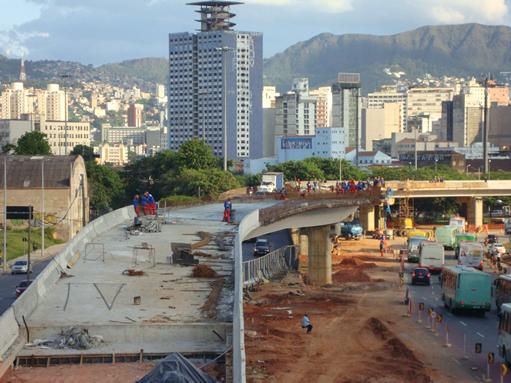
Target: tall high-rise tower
x,y
23,75
214,71
346,106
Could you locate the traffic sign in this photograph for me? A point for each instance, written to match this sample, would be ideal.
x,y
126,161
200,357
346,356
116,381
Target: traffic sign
x,y
421,306
503,369
478,348
491,358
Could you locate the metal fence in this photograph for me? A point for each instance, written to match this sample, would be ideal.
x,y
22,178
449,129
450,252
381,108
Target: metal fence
x,y
277,262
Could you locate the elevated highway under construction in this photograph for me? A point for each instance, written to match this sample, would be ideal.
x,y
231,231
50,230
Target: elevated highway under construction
x,y
127,290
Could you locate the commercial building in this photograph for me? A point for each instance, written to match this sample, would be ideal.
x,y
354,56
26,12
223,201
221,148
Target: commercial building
x,y
467,119
428,102
12,130
63,136
346,107
390,95
323,97
368,158
17,101
379,122
112,154
135,115
211,72
66,197
270,95
123,135
326,143
295,111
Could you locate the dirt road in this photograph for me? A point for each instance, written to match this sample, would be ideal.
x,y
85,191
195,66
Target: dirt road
x,y
359,332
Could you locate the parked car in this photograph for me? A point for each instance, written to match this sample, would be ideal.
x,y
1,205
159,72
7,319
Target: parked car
x,y
19,267
22,286
351,230
421,276
262,247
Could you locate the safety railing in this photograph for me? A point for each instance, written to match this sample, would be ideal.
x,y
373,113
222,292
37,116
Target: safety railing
x,y
275,263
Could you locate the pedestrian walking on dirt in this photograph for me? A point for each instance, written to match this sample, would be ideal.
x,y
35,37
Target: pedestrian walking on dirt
x,y
306,323
382,246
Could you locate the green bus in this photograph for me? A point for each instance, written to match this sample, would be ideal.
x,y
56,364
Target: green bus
x,y
465,288
504,342
446,235
463,237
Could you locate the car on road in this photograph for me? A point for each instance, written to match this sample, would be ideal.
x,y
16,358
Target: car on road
x,y
22,286
19,267
421,275
351,230
496,249
262,247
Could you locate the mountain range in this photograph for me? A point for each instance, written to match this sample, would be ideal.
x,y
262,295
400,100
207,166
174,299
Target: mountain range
x,y
457,50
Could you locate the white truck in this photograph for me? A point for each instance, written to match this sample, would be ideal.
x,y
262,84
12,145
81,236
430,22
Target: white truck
x,y
471,254
507,226
432,256
271,182
459,223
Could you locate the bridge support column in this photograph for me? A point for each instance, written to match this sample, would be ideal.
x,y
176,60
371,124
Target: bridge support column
x,y
304,253
295,236
320,258
367,217
475,211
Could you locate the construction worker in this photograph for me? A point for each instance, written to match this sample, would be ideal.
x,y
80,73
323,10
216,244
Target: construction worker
x,y
227,210
136,204
144,204
306,323
151,203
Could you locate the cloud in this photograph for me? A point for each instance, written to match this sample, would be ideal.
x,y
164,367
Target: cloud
x,y
14,44
464,11
324,6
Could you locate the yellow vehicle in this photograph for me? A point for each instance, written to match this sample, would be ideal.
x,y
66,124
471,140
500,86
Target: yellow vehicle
x,y
418,233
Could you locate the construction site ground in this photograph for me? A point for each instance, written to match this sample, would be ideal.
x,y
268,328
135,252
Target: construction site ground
x,y
359,331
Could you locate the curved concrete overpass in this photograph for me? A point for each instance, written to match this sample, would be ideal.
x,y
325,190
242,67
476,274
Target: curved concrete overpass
x,y
424,189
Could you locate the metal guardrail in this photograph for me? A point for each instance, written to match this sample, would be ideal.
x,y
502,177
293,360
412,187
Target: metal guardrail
x,y
277,262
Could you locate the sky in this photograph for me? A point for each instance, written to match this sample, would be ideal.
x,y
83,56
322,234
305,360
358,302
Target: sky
x,y
104,31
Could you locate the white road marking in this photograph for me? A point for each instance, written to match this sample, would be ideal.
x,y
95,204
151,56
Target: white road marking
x,y
481,335
456,360
463,324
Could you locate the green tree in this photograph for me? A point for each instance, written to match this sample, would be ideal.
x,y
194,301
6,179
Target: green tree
x,y
196,154
303,170
33,143
85,151
106,188
211,182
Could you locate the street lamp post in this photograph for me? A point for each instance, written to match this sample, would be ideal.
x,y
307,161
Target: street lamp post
x,y
224,51
63,76
466,169
415,146
489,169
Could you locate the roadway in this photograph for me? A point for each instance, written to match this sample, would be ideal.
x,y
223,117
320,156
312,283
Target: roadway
x,y
465,329
9,282
277,240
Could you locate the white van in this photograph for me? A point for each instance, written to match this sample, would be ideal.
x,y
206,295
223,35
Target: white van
x,y
471,254
432,256
459,223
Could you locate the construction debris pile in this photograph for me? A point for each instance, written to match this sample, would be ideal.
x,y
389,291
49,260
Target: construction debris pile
x,y
74,337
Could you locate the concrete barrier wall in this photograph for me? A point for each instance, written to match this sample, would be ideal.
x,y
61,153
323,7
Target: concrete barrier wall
x,y
136,335
9,330
26,304
248,224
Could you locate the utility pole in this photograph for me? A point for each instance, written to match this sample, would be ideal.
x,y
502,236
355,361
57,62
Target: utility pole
x,y
4,248
415,146
42,207
82,184
485,128
63,76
